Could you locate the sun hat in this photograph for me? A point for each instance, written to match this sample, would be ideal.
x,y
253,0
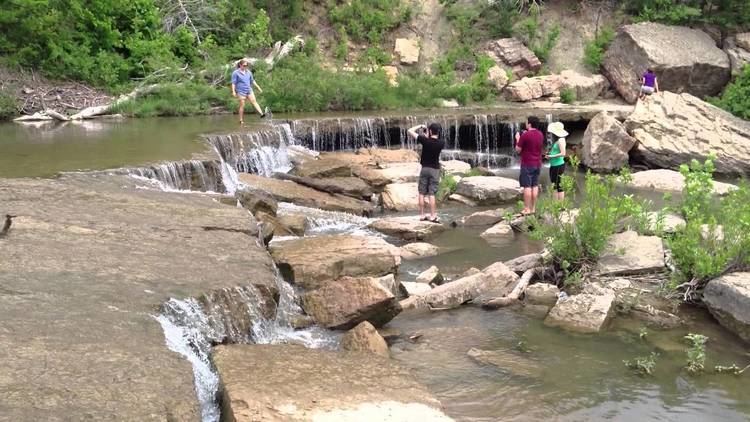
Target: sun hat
x,y
557,129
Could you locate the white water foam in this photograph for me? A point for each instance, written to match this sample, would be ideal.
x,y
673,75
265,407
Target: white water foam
x,y
327,222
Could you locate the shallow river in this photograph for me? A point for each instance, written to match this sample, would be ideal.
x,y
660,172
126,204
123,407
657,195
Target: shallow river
x,y
574,377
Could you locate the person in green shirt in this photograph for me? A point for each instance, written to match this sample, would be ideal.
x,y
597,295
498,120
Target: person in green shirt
x,y
556,157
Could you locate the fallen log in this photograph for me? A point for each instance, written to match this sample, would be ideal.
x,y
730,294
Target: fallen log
x,y
513,296
90,112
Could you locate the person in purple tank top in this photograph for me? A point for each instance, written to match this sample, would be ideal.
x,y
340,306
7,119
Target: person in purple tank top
x,y
649,84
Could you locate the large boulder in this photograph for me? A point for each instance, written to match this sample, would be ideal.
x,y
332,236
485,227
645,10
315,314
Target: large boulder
x,y
288,191
728,300
495,280
400,197
584,313
629,253
310,261
343,303
684,59
606,144
296,224
407,50
301,384
670,181
489,190
431,275
513,54
738,56
365,338
500,233
326,166
407,228
255,200
672,129
528,89
400,172
498,77
415,288
586,88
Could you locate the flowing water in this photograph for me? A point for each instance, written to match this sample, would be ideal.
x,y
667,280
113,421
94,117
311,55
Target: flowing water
x,y
574,377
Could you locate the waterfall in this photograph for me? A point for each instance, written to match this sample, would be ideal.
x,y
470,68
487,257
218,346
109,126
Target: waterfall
x,y
262,152
192,175
192,326
321,221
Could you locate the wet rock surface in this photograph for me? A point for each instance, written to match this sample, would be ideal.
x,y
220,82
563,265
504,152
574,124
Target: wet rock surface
x,y
365,338
307,384
400,197
728,299
87,264
418,250
489,190
670,181
335,256
495,280
587,312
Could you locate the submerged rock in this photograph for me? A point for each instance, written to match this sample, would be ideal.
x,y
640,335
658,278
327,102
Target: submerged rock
x,y
312,260
418,250
684,59
489,190
508,361
407,228
483,218
343,303
583,313
629,253
500,232
400,197
300,384
495,280
673,129
365,338
462,199
728,299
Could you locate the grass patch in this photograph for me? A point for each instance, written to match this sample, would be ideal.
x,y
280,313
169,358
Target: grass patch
x,y
593,53
567,95
8,109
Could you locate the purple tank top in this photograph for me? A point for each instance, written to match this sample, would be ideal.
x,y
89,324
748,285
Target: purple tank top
x,y
650,79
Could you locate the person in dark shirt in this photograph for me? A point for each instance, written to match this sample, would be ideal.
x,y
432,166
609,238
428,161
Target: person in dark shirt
x,y
529,146
429,176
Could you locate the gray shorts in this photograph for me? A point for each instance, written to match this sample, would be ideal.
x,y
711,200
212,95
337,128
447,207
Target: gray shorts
x,y
648,90
429,179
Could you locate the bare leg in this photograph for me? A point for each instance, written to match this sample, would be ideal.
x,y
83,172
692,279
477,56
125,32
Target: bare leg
x,y
526,201
254,102
421,206
433,213
534,196
242,109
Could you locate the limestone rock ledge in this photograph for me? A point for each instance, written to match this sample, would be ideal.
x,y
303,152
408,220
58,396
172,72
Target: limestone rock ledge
x,y
291,383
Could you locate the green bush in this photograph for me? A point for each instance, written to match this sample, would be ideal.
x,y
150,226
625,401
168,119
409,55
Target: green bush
x,y
736,96
447,186
575,243
714,240
179,100
8,108
593,53
540,43
478,21
567,95
368,20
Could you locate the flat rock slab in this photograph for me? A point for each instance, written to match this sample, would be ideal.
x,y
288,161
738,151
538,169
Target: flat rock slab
x,y
400,197
728,299
86,264
500,233
400,172
310,261
299,384
483,218
583,313
407,228
670,181
343,303
489,190
418,250
288,191
629,253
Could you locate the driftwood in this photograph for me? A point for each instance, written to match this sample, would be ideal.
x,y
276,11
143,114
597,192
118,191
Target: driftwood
x,y
523,283
278,52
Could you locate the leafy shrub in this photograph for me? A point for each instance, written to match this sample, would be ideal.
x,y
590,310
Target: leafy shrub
x,y
643,365
540,43
575,242
178,100
369,20
736,96
593,53
714,239
667,11
567,95
447,186
696,354
477,21
8,108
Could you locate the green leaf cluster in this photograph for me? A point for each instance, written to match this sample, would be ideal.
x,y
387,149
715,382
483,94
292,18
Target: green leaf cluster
x,y
593,52
736,96
368,20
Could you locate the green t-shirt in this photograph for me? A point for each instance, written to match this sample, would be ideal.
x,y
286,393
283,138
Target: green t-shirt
x,y
557,161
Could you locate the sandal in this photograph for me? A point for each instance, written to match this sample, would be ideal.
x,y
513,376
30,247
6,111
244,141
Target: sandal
x,y
424,219
435,220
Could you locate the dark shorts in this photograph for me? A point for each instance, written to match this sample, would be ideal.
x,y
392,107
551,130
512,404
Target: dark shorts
x,y
529,177
429,179
555,174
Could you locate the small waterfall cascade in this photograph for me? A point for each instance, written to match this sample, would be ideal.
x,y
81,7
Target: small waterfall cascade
x,y
323,222
244,315
192,175
261,152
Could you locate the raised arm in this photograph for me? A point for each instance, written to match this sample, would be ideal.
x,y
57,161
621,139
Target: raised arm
x,y
413,131
518,143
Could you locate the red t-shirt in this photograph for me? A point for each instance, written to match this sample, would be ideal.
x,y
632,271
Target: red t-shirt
x,y
532,144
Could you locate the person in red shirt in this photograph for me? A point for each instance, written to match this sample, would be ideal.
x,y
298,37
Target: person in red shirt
x,y
529,146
